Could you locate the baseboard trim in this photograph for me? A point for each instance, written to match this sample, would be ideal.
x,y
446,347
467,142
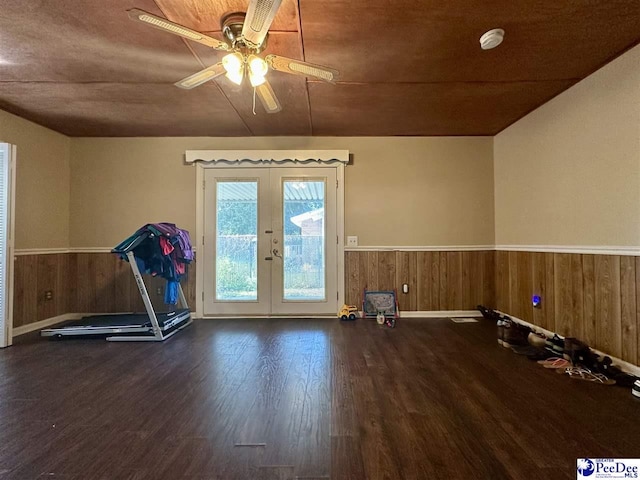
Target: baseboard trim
x,y
47,322
440,314
622,364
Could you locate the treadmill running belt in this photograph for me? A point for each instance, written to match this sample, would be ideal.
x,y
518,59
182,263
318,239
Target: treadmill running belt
x,y
119,324
133,319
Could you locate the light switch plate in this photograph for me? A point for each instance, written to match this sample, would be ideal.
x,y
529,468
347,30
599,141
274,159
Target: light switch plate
x,y
352,241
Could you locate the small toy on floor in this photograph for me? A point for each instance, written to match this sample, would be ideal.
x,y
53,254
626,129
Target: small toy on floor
x,y
348,312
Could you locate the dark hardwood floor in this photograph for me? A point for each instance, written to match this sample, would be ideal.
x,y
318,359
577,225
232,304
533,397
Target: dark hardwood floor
x,y
302,399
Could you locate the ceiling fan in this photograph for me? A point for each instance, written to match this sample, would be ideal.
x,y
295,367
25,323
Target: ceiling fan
x,y
245,37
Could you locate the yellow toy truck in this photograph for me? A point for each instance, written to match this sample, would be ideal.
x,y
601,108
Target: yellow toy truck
x,y
348,312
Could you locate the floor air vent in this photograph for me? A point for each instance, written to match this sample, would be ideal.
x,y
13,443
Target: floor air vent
x,y
464,320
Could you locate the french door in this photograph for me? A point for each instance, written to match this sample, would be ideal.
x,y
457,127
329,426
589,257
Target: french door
x,y
270,241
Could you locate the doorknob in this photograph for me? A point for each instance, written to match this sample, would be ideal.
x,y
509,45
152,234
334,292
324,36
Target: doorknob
x,y
276,253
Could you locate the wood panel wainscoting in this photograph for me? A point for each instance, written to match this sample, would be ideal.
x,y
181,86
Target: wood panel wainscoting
x,y
437,280
593,297
82,283
101,282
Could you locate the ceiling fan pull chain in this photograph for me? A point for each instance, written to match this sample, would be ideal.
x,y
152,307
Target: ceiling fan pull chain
x,y
254,100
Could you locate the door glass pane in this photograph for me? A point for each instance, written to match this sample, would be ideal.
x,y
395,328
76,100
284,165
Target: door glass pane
x,y
304,242
236,240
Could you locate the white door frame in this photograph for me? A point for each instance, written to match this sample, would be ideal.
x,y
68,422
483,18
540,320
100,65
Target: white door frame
x,y
6,326
266,159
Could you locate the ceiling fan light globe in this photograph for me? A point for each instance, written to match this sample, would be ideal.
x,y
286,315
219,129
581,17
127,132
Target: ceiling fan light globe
x,y
256,80
233,63
257,66
236,77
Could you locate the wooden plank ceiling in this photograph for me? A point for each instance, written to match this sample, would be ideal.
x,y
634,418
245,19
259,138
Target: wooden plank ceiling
x,y
407,67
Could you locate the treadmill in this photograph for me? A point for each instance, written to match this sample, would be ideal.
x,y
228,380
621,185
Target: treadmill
x,y
130,327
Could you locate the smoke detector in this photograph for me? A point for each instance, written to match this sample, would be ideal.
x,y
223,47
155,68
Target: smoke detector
x,y
491,39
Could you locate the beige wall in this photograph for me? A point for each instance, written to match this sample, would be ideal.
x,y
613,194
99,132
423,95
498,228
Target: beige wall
x,y
569,172
400,191
42,183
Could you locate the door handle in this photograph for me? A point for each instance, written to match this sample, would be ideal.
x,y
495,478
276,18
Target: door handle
x,y
276,253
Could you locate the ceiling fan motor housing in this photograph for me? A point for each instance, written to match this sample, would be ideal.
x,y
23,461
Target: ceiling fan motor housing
x,y
232,30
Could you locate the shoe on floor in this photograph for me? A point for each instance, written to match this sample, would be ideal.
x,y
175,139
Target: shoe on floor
x,y
584,374
555,344
502,324
537,339
488,313
515,335
555,363
601,365
529,350
605,367
578,352
635,390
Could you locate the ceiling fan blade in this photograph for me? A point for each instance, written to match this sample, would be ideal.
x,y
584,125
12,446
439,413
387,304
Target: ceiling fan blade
x,y
201,77
268,98
298,67
260,15
170,27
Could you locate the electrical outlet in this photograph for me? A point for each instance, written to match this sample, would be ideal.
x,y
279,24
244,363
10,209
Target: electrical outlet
x,y
48,295
352,241
159,291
